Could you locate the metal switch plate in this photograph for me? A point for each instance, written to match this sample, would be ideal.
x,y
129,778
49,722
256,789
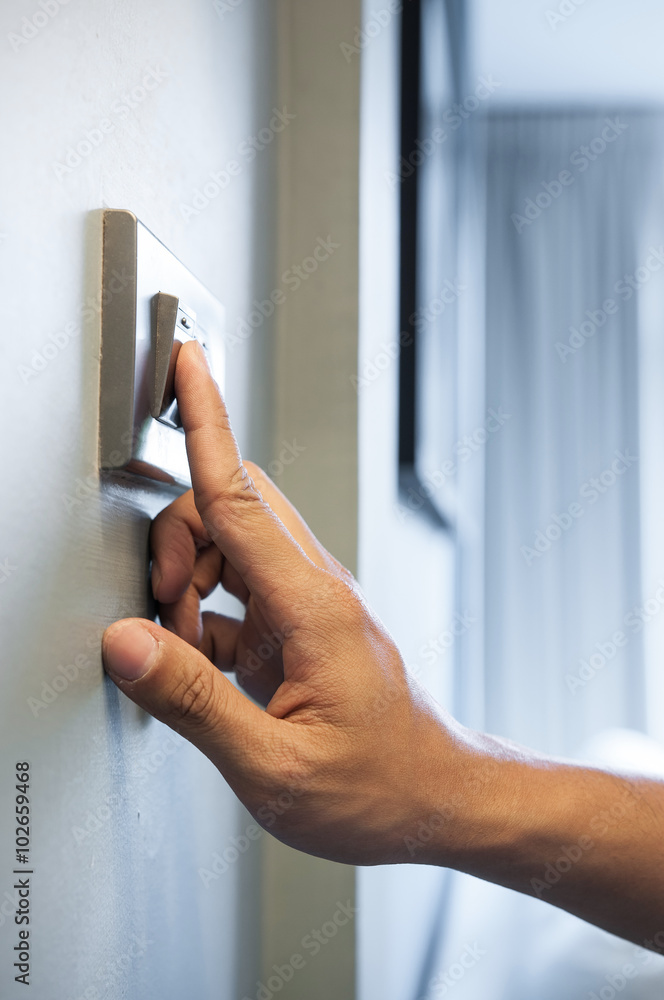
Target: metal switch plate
x,y
151,305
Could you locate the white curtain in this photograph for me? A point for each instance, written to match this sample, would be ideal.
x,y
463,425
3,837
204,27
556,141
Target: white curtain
x,y
567,248
588,591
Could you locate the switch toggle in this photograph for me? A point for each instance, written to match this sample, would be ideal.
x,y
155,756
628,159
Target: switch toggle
x,y
172,326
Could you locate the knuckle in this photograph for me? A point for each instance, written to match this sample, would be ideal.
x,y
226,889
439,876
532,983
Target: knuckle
x,y
345,587
194,699
346,577
344,602
256,473
230,501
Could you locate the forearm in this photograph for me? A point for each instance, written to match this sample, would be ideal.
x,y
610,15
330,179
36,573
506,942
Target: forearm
x,y
583,839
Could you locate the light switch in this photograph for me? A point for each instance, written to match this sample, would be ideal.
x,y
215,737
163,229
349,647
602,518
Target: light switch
x,y
172,325
151,305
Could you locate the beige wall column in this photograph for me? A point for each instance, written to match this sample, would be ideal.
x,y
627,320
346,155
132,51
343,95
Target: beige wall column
x,y
315,434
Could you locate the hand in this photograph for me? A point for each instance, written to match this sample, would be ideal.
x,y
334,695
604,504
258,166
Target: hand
x,y
347,739
351,760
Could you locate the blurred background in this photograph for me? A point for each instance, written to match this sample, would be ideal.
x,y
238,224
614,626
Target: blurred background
x,y
462,392
529,439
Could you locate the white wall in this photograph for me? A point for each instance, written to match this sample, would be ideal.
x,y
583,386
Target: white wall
x,y
405,566
134,871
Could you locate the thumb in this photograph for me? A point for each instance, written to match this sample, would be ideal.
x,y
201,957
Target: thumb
x,y
178,685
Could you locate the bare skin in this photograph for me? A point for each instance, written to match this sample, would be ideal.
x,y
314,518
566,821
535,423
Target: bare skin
x,y
375,770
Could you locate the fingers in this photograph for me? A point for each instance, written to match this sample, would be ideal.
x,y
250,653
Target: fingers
x,y
183,566
184,615
242,524
179,686
175,536
186,568
219,641
179,545
254,656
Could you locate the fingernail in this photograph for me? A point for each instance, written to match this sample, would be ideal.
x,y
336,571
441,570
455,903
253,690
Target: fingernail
x,y
156,578
129,650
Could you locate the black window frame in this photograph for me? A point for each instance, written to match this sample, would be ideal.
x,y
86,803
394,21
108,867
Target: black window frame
x,y
411,220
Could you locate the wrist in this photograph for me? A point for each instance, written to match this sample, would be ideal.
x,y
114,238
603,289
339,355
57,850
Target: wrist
x,y
480,806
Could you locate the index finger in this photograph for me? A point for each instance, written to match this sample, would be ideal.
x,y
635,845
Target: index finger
x,y
237,518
